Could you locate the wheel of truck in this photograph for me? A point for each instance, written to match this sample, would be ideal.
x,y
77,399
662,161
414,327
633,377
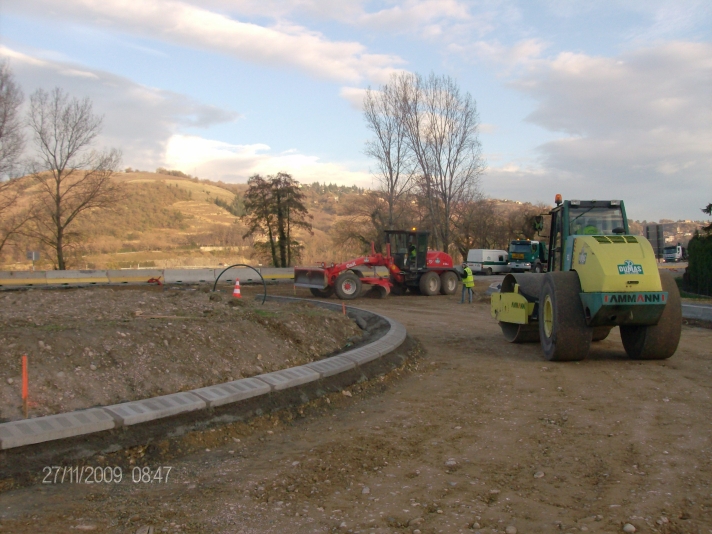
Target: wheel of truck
x,y
322,293
378,292
519,333
537,268
659,341
347,286
601,332
430,284
397,289
563,332
488,271
448,283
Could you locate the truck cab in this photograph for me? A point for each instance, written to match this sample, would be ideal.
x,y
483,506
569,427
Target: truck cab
x,y
527,255
674,253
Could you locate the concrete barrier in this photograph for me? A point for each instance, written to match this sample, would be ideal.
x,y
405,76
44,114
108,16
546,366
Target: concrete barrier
x,y
245,275
23,278
134,276
189,276
271,273
76,278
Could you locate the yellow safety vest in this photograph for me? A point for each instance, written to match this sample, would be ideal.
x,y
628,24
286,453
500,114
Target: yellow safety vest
x,y
470,280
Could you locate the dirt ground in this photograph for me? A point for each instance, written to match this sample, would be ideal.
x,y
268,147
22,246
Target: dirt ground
x,y
474,435
101,346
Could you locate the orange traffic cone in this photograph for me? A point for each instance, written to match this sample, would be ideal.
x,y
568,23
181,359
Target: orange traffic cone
x,y
236,292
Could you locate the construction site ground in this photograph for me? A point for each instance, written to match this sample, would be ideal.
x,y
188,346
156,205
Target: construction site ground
x,y
472,434
101,346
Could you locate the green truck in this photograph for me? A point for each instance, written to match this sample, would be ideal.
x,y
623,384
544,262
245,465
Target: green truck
x,y
527,255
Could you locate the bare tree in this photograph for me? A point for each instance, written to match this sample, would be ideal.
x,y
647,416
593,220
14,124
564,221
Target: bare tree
x,y
71,177
12,143
442,130
383,112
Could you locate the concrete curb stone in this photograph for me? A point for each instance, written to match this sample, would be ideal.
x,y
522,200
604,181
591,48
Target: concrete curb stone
x,y
53,427
232,391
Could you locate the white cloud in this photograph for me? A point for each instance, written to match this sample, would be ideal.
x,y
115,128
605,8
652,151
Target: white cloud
x,y
137,119
147,124
236,163
181,23
354,96
504,58
637,127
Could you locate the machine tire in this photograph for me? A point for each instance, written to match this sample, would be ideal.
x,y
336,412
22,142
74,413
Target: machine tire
x,y
519,333
429,284
398,289
563,332
378,292
488,271
357,273
322,293
448,283
601,332
537,268
659,341
347,286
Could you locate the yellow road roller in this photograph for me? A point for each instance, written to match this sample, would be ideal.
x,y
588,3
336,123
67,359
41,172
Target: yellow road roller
x,y
597,276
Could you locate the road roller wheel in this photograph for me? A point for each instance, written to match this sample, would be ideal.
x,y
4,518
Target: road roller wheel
x,y
659,341
563,332
430,284
601,332
448,283
519,333
348,286
322,293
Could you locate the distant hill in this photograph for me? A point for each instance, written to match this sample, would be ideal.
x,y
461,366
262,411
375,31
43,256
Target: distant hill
x,y
171,221
174,220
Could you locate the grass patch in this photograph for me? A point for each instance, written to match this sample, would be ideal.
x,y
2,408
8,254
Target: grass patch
x,y
686,295
264,313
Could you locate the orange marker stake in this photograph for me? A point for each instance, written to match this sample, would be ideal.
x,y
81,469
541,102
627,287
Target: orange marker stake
x,y
343,307
25,385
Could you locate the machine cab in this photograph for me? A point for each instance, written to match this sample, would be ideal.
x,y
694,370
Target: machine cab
x,y
409,249
583,217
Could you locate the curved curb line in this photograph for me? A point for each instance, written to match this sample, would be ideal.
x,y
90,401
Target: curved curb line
x,y
82,422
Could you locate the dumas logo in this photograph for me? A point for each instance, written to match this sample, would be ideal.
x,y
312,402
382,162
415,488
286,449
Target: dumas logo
x,y
629,267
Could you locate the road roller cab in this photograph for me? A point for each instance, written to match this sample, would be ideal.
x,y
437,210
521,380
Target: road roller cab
x,y
599,277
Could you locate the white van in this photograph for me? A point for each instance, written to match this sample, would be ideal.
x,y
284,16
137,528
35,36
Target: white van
x,y
487,261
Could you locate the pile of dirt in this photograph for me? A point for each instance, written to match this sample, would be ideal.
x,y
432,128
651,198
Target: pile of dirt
x,y
100,346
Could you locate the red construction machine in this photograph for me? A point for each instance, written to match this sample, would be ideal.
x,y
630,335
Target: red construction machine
x,y
410,266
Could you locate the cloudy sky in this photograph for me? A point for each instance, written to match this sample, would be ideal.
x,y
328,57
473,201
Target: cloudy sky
x,y
595,99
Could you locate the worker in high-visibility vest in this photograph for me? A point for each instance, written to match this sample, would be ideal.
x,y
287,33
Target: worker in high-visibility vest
x,y
412,256
468,282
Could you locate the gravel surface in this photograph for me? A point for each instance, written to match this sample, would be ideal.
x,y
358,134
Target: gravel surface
x,y
101,346
474,435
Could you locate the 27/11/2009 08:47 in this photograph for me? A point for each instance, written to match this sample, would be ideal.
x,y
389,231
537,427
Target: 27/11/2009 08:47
x,y
104,475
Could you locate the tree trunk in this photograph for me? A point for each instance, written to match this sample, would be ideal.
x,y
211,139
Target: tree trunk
x,y
271,245
60,251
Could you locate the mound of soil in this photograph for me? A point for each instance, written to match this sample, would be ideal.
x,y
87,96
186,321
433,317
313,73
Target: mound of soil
x,y
99,346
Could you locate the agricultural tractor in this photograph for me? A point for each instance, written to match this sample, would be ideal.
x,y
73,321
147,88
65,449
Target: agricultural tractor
x,y
599,277
411,266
